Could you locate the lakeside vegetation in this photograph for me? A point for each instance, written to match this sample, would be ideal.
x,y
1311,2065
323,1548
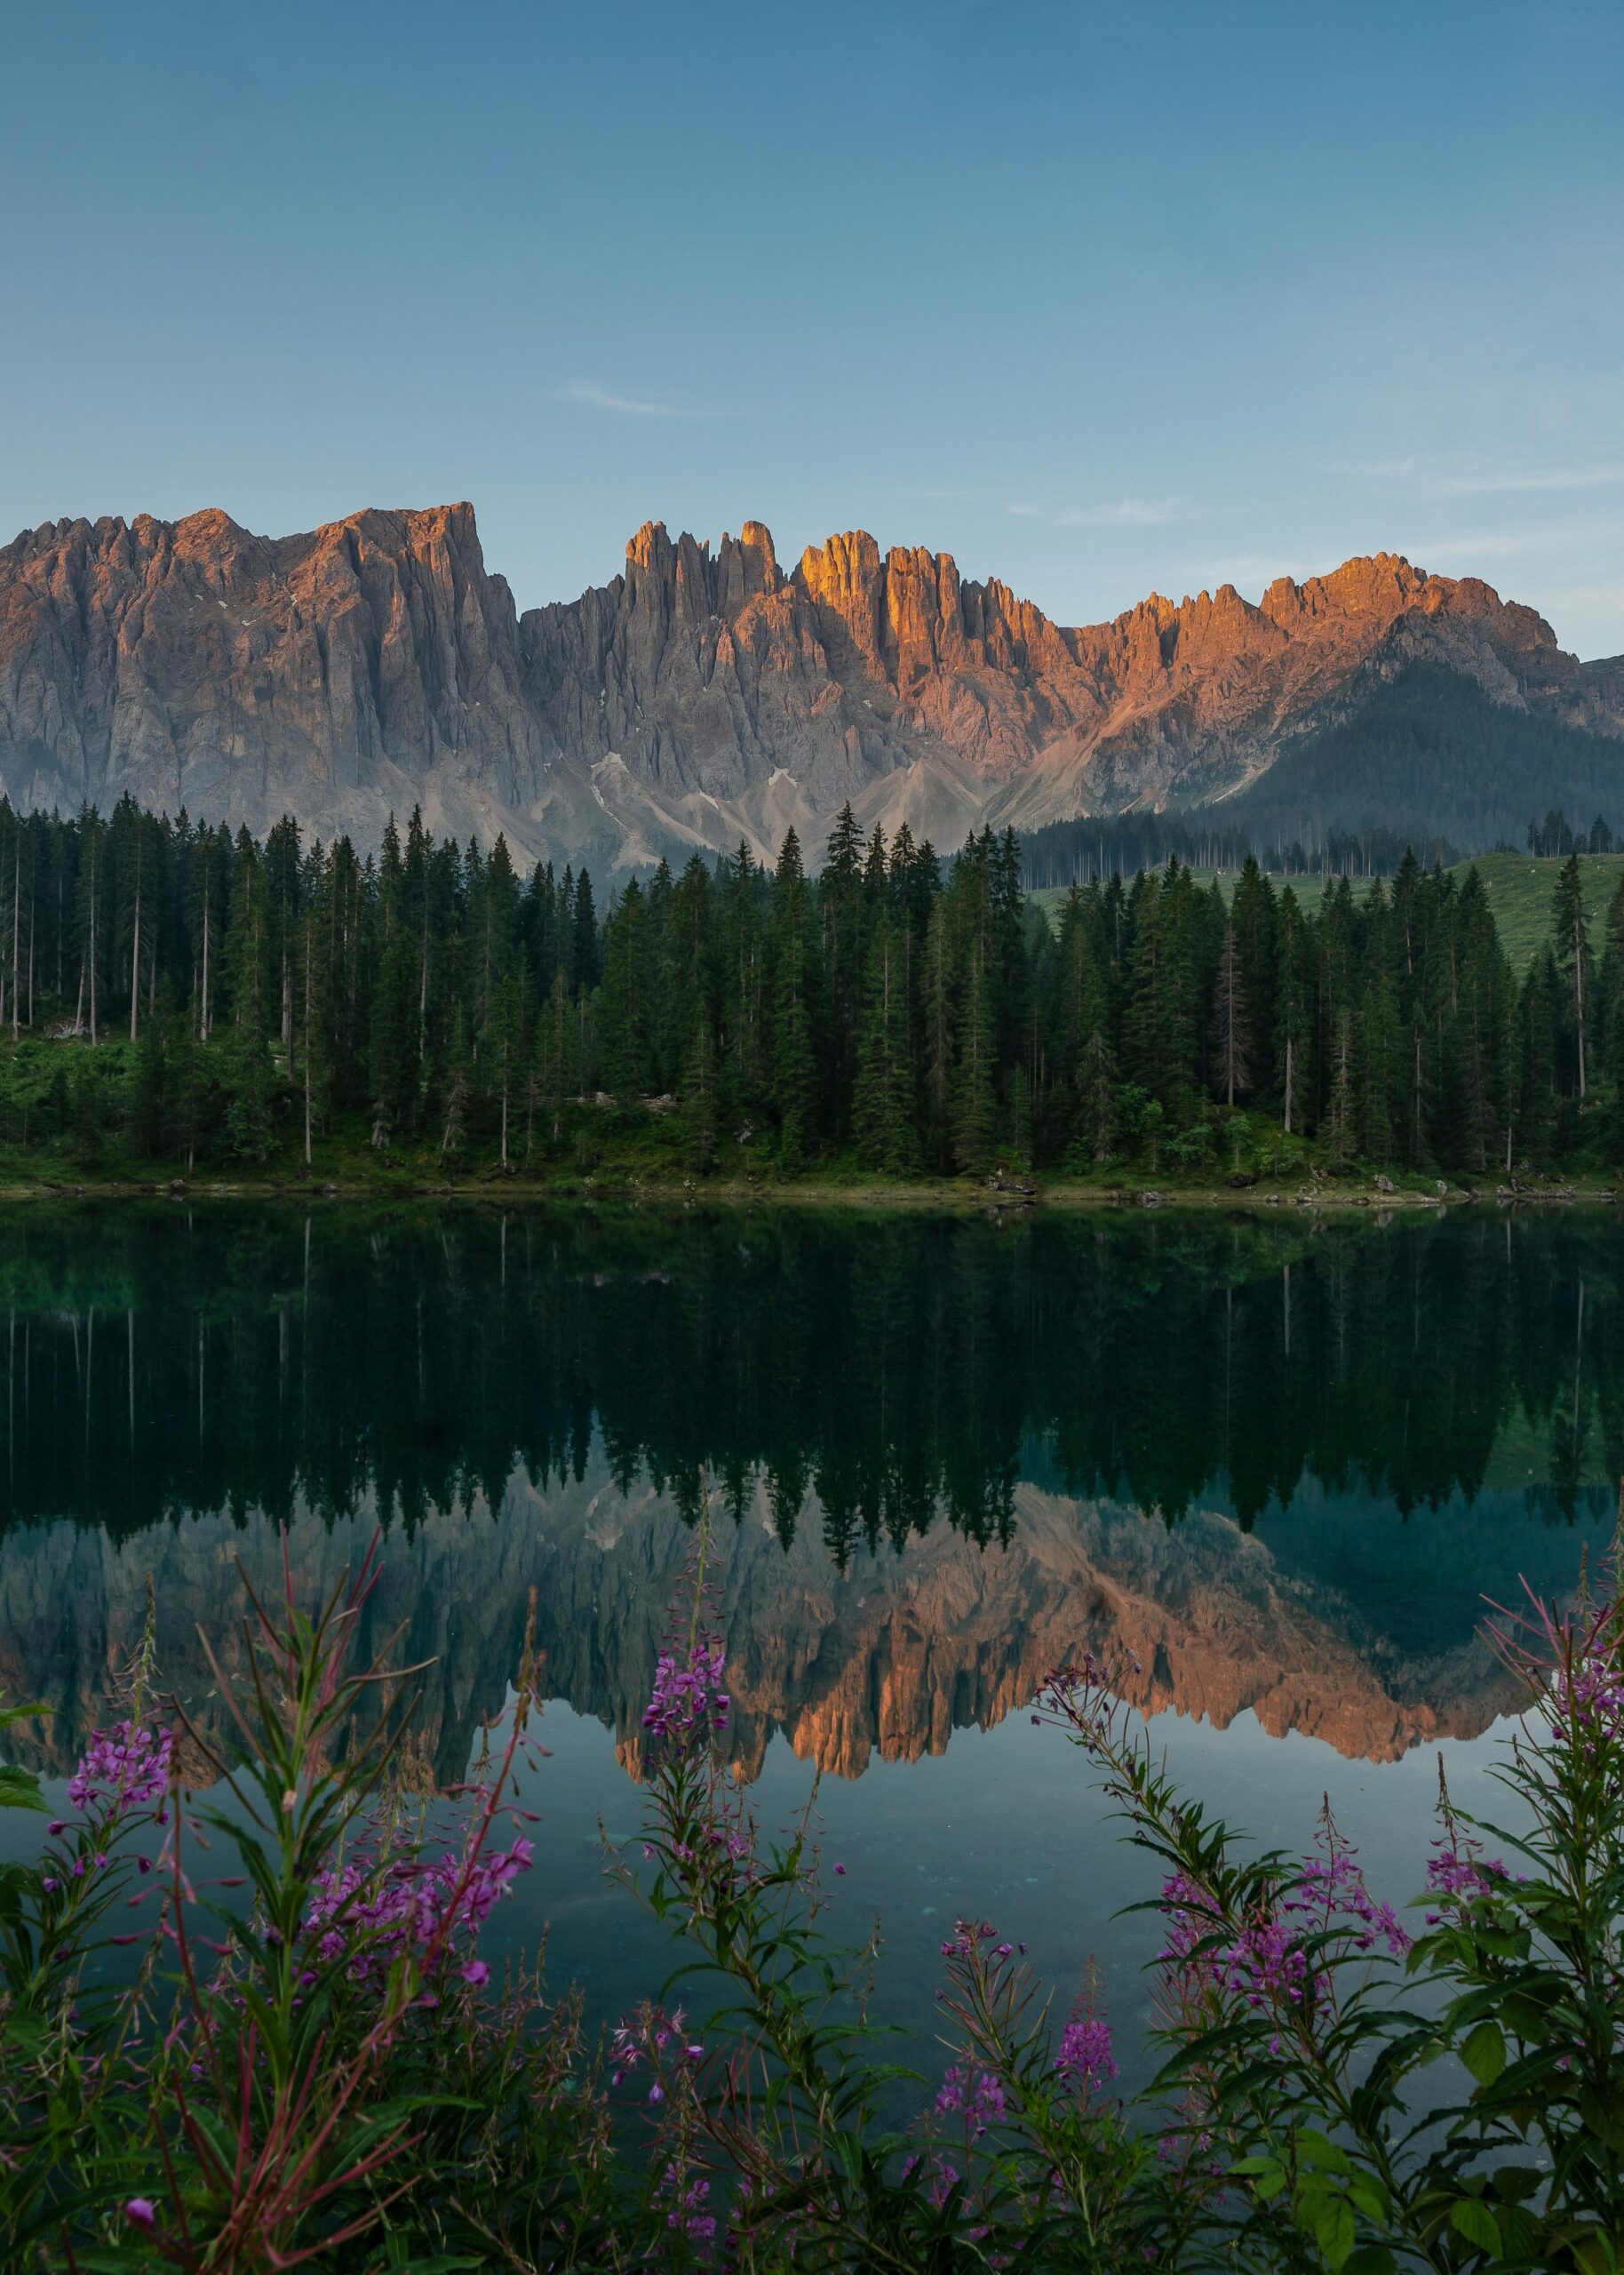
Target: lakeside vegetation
x,y
176,1001
305,2058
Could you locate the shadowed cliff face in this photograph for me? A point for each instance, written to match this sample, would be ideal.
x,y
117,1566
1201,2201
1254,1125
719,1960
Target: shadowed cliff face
x,y
364,668
699,698
888,1658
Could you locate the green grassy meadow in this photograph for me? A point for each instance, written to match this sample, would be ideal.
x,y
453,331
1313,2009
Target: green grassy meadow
x,y
1519,889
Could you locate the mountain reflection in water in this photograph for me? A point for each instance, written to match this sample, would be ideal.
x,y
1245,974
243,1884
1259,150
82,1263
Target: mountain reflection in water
x,y
1254,1465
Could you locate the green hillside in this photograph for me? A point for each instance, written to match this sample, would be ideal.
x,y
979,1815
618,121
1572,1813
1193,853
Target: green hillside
x,y
1519,889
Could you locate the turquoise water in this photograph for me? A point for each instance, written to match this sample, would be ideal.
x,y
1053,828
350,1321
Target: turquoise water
x,y
1278,1468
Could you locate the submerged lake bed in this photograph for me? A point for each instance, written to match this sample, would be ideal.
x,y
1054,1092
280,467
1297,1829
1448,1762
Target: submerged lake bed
x,y
1268,1472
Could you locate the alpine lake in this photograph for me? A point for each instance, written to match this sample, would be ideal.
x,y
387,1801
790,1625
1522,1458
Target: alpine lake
x,y
1270,1470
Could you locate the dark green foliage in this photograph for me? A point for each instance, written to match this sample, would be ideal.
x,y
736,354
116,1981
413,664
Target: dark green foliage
x,y
1427,755
896,1011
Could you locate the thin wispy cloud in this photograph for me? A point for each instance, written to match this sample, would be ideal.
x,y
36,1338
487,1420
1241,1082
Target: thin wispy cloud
x,y
1503,544
1488,485
1127,512
627,406
1436,478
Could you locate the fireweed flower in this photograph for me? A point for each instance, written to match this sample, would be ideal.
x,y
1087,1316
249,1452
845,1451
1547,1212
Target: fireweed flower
x,y
127,1765
1084,2058
1461,1878
688,2214
375,1917
646,2035
978,2099
1266,1964
688,1696
1333,1884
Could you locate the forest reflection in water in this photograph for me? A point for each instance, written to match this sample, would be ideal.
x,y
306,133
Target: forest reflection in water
x,y
1269,1471
1277,1466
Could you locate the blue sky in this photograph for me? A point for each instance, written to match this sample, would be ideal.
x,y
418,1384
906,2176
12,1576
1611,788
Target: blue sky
x,y
1099,299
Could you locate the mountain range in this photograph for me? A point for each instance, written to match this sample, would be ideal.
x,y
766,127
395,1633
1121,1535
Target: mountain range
x,y
705,695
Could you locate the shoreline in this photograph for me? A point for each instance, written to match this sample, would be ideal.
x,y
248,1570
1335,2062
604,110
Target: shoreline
x,y
958,1197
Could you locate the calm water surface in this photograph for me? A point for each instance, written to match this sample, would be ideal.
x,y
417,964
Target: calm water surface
x,y
1278,1467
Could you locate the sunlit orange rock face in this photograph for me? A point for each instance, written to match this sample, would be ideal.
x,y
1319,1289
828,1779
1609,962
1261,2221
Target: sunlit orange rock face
x,y
701,696
886,1659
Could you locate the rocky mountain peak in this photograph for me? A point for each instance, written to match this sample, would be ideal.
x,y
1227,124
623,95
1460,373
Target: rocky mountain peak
x,y
375,663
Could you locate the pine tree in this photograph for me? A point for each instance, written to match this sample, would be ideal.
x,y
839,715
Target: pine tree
x,y
1341,1134
794,1059
1231,1023
840,900
699,1096
1572,956
506,1053
626,1010
1540,992
975,1100
250,1080
392,1055
940,1021
459,1090
1295,997
1255,917
1611,995
884,1119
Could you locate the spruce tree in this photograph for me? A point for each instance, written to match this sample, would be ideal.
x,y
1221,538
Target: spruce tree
x,y
884,1118
940,1019
250,1080
794,1042
975,1097
1230,1023
699,1096
1572,956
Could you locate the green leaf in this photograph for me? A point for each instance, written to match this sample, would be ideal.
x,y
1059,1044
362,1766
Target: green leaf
x,y
1370,2259
1470,2217
1315,2150
1484,2053
1513,2182
1369,2194
20,1789
1603,2118
1332,2218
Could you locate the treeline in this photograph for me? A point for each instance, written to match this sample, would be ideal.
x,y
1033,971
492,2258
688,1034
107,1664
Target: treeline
x,y
918,1017
1119,846
1555,837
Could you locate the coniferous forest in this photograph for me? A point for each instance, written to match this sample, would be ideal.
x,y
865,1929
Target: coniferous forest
x,y
176,995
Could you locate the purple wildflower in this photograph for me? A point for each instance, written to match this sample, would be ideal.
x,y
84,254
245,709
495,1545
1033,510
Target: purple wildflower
x,y
688,2214
688,1694
140,2211
127,1765
978,2099
1449,1873
373,1917
1085,2057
